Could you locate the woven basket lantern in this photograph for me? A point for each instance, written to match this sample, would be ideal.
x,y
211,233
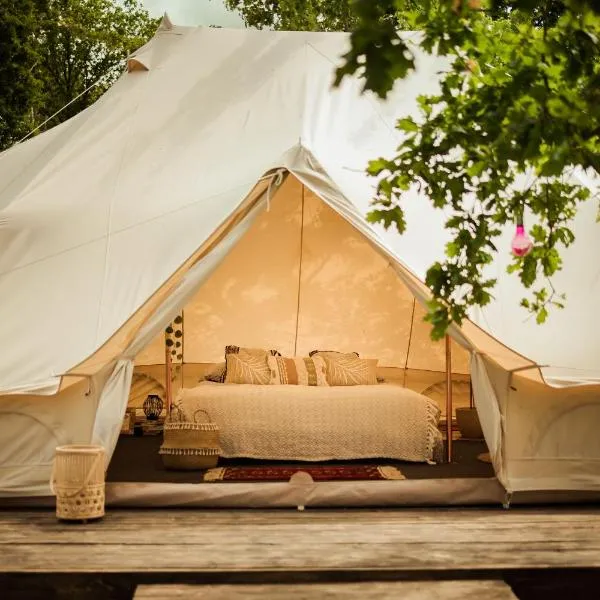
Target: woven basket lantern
x,y
190,445
77,481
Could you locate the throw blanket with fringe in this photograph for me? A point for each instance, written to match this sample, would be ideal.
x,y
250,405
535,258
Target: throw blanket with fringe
x,y
291,422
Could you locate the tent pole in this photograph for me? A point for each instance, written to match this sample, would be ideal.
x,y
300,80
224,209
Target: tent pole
x,y
449,410
168,379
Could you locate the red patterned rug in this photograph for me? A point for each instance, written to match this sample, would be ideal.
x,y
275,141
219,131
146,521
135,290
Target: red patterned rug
x,y
317,472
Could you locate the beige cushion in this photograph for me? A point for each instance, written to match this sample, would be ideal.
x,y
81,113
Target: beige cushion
x,y
349,369
297,371
313,352
216,373
247,365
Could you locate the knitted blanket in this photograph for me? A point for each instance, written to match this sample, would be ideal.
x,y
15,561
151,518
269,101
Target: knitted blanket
x,y
292,422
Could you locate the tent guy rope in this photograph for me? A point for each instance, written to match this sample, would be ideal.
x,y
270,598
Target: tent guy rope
x,y
87,89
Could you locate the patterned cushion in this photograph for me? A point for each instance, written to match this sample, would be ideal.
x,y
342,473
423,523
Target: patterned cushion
x,y
313,352
217,373
349,369
297,371
247,365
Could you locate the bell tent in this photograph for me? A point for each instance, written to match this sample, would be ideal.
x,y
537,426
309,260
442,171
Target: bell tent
x,y
223,176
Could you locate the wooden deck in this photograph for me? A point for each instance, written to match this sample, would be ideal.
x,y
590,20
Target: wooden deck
x,y
266,547
395,590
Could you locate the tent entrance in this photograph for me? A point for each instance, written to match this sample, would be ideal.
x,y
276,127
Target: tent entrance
x,y
301,278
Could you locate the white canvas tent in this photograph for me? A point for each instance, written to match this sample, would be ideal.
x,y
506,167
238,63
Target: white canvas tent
x,y
222,173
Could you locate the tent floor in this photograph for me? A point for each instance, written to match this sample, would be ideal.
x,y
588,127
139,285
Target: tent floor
x,y
137,459
136,478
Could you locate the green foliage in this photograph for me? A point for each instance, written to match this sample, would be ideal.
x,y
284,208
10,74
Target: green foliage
x,y
380,44
297,15
55,50
19,89
316,15
82,41
517,112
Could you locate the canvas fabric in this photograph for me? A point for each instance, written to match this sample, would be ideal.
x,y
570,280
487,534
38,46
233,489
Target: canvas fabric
x,y
153,199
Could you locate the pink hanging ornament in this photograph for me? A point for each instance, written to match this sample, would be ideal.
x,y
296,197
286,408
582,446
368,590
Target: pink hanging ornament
x,y
521,244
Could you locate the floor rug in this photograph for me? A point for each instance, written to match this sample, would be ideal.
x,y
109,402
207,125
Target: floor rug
x,y
317,472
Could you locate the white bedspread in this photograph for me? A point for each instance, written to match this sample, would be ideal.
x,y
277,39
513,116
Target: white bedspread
x,y
291,422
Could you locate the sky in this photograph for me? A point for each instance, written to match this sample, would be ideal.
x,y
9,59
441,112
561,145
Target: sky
x,y
194,12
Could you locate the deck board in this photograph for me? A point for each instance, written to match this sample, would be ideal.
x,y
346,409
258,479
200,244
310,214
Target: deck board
x,y
407,590
403,541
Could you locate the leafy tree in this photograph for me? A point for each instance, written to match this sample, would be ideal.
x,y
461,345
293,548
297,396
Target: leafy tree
x,y
18,86
312,15
55,50
84,41
297,15
517,113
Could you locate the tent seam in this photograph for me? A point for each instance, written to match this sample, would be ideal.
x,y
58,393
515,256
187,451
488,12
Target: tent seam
x,y
110,208
304,91
299,272
369,99
344,211
123,229
98,348
412,320
79,120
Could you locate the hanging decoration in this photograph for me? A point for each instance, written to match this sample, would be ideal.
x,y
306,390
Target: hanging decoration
x,y
174,344
521,243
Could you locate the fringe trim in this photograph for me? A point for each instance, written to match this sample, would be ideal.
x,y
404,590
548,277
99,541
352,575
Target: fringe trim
x,y
181,425
190,451
433,418
216,474
389,472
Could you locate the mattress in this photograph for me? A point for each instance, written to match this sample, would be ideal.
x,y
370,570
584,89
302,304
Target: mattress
x,y
306,423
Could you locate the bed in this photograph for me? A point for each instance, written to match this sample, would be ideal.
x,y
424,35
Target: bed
x,y
307,423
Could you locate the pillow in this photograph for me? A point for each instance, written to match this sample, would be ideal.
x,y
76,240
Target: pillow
x,y
297,371
247,365
217,373
312,352
349,369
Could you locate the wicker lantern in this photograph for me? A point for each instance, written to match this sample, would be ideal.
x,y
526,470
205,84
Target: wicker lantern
x,y
153,406
77,481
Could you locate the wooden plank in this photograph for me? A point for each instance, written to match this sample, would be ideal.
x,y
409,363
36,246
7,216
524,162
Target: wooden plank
x,y
407,590
209,535
256,541
203,528
123,517
299,556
